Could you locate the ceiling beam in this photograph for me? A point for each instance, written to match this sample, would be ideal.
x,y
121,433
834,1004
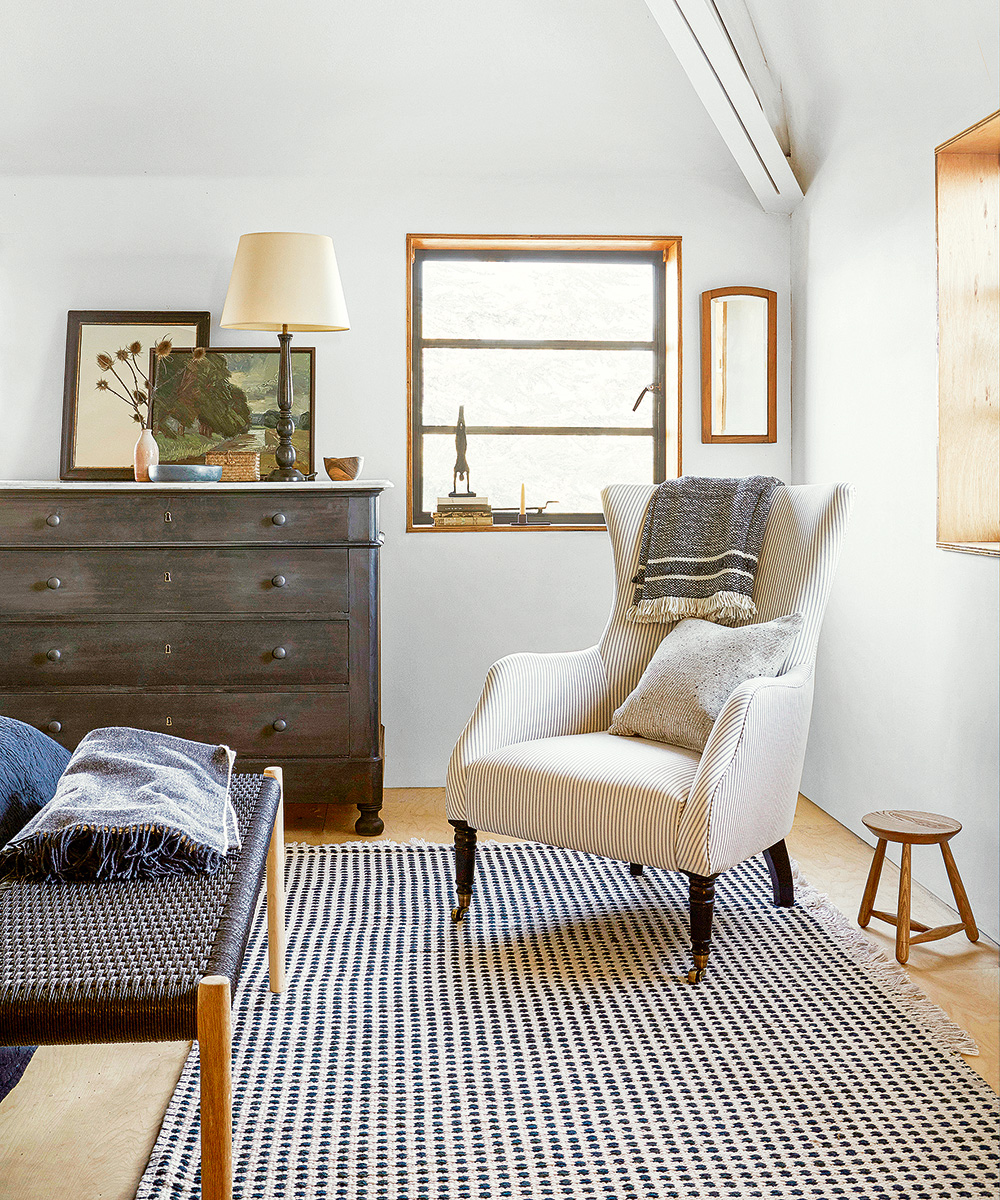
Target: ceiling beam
x,y
704,49
738,22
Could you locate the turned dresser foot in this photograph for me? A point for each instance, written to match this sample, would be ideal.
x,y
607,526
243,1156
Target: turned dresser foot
x,y
369,823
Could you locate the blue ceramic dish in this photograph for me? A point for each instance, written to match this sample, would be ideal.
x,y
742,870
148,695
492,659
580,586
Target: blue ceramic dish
x,y
184,473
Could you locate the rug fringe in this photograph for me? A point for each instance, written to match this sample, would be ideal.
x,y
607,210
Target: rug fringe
x,y
890,976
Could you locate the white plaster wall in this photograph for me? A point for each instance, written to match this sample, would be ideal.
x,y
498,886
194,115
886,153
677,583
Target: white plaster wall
x,y
906,701
451,604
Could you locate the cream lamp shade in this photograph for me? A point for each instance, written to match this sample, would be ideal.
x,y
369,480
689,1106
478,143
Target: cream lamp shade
x,y
285,280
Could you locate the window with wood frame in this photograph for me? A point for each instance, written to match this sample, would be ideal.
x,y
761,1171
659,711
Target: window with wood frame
x,y
562,355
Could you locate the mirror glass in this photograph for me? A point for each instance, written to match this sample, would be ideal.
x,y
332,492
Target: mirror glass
x,y
738,367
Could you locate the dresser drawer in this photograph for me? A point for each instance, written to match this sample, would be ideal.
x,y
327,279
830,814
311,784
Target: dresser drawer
x,y
95,518
157,653
260,724
182,580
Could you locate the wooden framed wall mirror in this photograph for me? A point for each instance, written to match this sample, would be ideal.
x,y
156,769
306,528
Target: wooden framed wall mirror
x,y
739,351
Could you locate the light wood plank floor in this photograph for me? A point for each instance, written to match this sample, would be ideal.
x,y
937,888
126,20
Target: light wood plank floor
x,y
83,1120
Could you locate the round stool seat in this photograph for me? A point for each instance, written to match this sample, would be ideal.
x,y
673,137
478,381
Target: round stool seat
x,y
906,825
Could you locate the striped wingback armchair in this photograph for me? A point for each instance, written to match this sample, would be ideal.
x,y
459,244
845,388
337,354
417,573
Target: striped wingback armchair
x,y
536,761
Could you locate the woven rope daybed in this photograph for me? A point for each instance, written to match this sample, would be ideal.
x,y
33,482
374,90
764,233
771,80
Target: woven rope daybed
x,y
150,961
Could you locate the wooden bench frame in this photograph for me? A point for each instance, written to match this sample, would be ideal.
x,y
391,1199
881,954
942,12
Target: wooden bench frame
x,y
213,1017
215,1025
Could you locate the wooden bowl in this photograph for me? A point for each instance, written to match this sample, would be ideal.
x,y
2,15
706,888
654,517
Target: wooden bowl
x,y
341,469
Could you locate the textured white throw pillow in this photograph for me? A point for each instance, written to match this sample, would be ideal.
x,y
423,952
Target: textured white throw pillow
x,y
693,672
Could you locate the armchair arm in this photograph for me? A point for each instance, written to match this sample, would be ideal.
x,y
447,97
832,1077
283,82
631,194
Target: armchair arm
x,y
528,696
743,796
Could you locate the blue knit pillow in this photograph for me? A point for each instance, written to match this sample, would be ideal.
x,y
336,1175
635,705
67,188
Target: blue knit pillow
x,y
30,766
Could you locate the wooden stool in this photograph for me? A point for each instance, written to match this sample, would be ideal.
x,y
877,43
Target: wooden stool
x,y
921,829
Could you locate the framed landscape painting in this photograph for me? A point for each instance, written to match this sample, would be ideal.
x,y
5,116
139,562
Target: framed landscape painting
x,y
101,403
226,398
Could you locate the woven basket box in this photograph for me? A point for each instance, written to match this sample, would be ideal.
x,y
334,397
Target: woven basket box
x,y
238,466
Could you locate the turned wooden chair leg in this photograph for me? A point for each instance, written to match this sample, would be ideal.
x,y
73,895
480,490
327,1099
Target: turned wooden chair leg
x,y
903,908
465,867
276,935
871,887
780,867
215,1049
958,891
701,893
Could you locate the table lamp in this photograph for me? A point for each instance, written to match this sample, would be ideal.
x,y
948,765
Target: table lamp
x,y
285,282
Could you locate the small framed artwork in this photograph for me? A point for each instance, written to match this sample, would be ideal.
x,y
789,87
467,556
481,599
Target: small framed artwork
x,y
105,393
226,398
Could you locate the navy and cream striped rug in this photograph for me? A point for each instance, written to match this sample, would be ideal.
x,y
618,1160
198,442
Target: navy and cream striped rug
x,y
550,1046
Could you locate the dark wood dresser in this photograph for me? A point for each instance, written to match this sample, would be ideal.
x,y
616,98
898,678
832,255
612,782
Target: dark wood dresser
x,y
236,613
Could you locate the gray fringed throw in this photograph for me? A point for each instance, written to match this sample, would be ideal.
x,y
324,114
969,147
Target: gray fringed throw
x,y
130,805
700,543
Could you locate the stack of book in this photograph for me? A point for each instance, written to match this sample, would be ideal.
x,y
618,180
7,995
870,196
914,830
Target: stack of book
x,y
462,511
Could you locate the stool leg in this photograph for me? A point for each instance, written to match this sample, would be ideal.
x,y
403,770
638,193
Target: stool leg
x,y
958,890
215,1049
871,887
903,908
276,894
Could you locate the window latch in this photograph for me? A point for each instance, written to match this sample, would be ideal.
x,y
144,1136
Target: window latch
x,y
650,387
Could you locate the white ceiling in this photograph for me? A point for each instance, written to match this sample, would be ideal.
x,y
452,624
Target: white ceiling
x,y
255,87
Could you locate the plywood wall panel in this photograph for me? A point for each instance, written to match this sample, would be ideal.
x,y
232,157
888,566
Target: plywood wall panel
x,y
968,193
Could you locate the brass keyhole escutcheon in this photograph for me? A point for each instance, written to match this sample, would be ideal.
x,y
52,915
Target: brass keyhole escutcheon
x,y
170,720
166,576
168,516
166,648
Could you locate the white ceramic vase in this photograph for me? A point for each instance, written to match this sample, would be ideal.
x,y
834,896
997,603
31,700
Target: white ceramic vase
x,y
147,454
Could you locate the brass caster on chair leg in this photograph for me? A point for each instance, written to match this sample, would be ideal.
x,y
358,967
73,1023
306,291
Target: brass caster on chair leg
x,y
700,968
464,902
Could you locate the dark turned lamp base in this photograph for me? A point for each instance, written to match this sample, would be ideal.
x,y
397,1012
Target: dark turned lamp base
x,y
286,470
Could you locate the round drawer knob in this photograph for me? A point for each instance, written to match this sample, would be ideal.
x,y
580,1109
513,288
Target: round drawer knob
x,y
278,581
53,582
52,519
54,727
279,726
278,519
278,652
54,655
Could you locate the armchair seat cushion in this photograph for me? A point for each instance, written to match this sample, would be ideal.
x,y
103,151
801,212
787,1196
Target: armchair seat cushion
x,y
618,797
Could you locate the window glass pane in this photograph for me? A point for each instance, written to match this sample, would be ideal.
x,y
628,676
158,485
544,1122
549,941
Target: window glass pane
x,y
571,468
537,387
526,299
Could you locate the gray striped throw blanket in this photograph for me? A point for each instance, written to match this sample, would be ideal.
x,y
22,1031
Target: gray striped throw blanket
x,y
700,543
130,805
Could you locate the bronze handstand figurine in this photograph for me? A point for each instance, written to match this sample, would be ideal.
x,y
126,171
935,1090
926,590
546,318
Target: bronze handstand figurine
x,y
461,462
